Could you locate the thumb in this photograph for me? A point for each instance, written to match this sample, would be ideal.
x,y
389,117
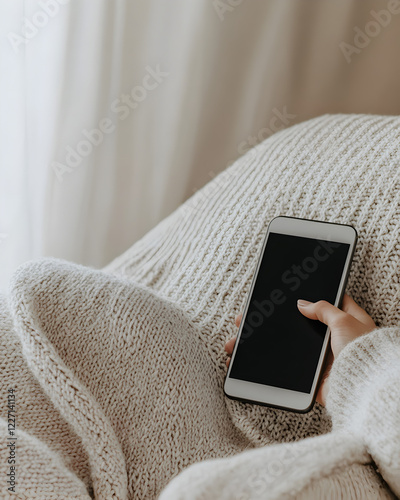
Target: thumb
x,y
321,310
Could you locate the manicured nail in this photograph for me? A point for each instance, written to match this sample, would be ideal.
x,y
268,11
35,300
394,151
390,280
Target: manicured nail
x,y
303,303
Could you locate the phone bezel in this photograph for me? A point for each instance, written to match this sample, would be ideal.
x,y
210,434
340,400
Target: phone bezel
x,y
275,397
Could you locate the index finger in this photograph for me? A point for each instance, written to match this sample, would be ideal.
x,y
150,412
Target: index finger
x,y
238,319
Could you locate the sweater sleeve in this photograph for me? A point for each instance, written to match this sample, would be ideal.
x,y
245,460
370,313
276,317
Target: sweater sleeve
x,y
364,398
364,404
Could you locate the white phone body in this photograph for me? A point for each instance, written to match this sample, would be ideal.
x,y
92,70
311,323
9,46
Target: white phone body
x,y
342,238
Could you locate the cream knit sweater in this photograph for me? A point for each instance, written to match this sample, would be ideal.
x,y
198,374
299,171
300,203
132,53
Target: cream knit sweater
x,y
118,373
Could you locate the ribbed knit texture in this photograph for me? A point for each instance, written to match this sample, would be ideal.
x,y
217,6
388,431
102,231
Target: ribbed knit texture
x,y
131,366
364,398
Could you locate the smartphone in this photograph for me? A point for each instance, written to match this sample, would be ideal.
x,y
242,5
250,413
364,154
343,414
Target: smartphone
x,y
279,353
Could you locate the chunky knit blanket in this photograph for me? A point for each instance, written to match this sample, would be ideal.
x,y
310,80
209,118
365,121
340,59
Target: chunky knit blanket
x,y
111,380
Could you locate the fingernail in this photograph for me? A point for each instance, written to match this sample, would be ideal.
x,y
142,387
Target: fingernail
x,y
303,303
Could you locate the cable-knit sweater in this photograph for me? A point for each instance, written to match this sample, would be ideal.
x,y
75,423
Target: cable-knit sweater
x,y
118,374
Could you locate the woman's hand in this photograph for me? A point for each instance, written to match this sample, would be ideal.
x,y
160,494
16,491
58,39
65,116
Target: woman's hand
x,y
345,324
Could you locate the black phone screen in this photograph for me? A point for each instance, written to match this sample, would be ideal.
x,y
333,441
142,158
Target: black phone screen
x,y
279,346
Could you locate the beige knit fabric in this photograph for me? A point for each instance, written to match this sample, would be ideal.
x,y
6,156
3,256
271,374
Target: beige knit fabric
x,y
120,373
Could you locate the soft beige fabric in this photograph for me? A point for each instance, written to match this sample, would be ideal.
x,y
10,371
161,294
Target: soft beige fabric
x,y
131,366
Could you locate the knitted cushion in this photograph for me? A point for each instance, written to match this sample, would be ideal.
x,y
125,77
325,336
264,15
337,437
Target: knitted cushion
x,y
336,168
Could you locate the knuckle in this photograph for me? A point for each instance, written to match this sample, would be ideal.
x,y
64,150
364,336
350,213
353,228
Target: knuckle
x,y
321,304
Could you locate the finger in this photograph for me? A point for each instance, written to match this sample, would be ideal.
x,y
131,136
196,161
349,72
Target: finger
x,y
321,310
328,362
320,397
351,307
230,345
228,361
238,319
321,393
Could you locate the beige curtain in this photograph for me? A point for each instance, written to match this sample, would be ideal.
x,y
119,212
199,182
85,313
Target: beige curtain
x,y
115,111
